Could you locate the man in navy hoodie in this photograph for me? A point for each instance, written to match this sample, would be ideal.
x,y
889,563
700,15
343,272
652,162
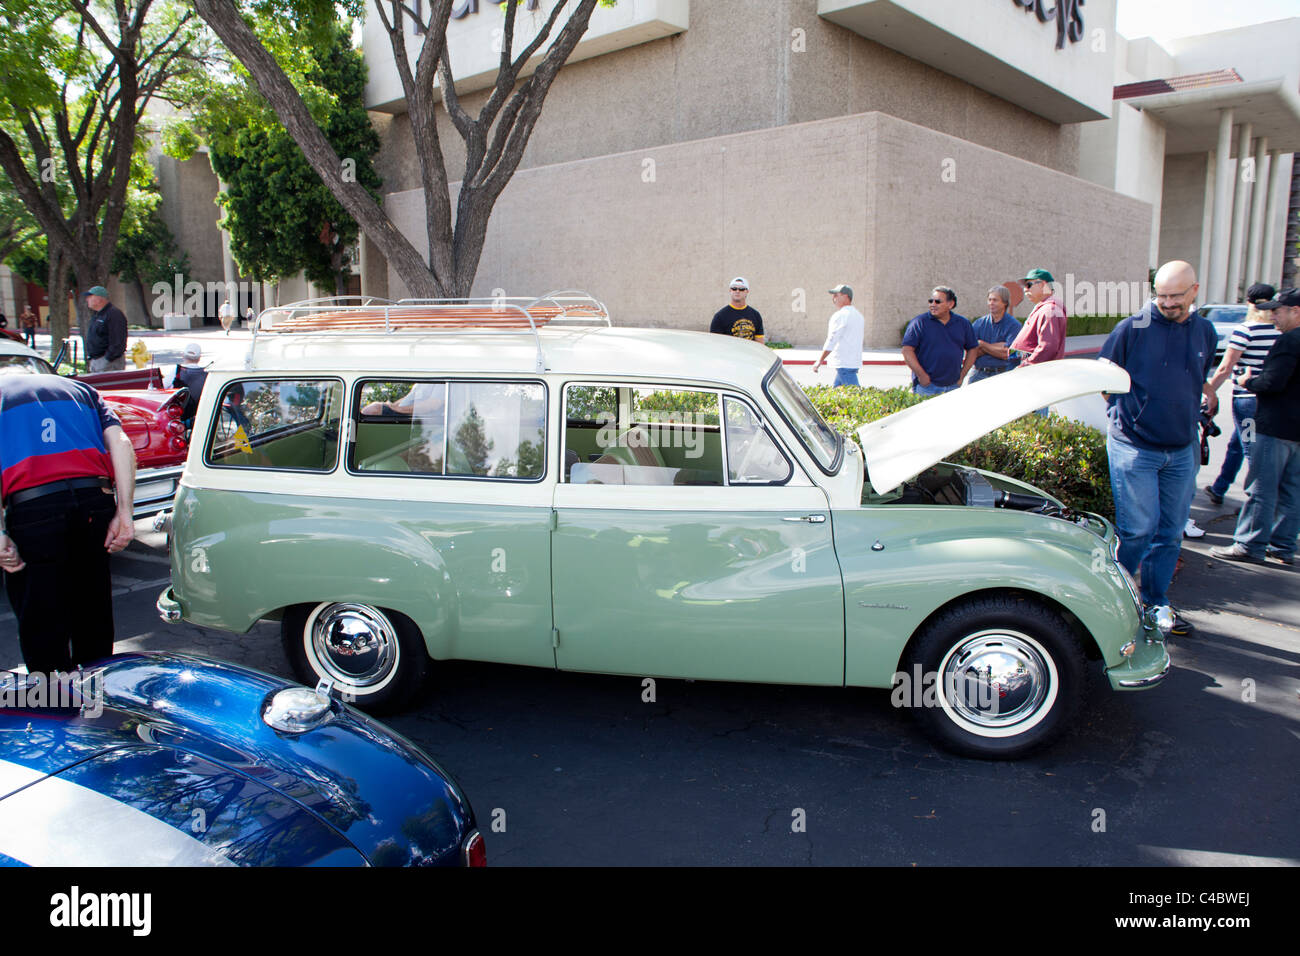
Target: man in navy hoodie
x,y
1153,441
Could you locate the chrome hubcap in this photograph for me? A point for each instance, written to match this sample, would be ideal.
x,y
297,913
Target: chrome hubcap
x,y
354,644
995,679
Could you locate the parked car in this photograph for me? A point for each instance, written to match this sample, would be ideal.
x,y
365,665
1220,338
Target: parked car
x,y
1225,317
174,760
397,488
150,416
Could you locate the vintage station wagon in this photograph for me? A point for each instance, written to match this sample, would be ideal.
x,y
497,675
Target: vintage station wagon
x,y
522,482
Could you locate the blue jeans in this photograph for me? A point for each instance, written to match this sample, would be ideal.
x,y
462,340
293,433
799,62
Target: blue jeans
x,y
1153,498
925,391
1270,518
845,376
979,374
1243,408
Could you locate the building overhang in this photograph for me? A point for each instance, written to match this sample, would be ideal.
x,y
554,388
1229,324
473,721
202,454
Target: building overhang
x,y
474,42
998,46
1191,117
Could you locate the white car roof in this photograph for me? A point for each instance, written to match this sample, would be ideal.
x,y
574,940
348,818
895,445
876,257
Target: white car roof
x,y
604,351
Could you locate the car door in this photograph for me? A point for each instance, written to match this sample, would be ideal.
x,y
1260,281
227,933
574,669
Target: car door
x,y
689,543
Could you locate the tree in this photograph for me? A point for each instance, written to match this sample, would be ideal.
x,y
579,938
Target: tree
x,y
78,76
281,218
494,140
146,251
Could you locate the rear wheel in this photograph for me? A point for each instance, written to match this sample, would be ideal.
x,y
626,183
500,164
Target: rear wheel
x,y
1008,676
374,657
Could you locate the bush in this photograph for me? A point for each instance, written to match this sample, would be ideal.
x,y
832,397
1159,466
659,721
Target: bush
x,y
1092,324
779,345
1065,458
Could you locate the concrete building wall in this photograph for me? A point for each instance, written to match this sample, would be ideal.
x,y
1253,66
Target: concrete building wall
x,y
1182,226
741,66
658,233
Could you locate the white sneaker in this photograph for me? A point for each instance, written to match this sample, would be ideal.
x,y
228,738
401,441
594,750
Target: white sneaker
x,y
1191,531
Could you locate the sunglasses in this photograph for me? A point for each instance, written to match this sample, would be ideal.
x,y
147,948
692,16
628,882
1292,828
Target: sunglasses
x,y
936,301
738,288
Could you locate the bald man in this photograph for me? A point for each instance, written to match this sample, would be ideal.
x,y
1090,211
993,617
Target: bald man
x,y
1153,441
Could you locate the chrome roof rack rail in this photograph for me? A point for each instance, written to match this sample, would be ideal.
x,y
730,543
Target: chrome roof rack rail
x,y
501,315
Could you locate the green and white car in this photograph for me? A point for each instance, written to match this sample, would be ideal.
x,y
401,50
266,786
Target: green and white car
x,y
399,485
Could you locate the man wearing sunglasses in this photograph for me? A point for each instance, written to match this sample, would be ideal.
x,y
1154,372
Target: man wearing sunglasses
x,y
1042,339
737,317
1153,441
939,345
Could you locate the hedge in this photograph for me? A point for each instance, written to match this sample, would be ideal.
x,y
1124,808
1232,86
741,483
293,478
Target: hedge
x,y
1064,458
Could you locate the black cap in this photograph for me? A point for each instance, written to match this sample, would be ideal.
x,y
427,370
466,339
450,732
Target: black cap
x,y
1260,292
1285,297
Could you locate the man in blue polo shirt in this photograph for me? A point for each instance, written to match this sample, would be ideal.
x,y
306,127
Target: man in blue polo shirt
x,y
996,331
1153,441
939,346
61,454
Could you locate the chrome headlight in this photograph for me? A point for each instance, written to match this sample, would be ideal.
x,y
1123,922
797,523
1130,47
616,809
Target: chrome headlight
x,y
296,710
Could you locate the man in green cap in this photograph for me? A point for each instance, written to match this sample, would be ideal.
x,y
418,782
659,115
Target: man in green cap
x,y
1042,338
105,334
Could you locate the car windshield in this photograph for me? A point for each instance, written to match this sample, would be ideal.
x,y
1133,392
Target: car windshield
x,y
822,441
24,365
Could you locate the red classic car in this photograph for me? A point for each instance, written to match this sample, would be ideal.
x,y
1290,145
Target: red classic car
x,y
150,416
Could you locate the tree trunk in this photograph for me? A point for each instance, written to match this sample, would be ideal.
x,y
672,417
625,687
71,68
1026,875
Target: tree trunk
x,y
56,285
230,26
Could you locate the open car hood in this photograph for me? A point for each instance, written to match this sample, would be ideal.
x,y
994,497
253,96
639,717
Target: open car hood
x,y
902,445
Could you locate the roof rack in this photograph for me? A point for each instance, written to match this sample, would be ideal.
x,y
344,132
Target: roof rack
x,y
499,315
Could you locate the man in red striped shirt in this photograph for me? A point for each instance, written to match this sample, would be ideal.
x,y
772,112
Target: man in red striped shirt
x,y
61,454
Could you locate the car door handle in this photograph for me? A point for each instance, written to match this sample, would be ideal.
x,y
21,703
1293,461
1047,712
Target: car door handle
x,y
813,519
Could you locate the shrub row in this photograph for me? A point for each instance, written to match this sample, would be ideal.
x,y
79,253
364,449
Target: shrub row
x,y
1064,458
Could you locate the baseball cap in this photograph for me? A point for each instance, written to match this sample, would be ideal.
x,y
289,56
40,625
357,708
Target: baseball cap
x,y
97,290
842,288
1285,297
193,352
1033,275
740,281
1260,292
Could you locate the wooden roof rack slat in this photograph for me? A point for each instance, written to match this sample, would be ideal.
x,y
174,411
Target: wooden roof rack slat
x,y
499,315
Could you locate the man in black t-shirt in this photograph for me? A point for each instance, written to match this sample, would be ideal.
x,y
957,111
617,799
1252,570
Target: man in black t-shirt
x,y
736,318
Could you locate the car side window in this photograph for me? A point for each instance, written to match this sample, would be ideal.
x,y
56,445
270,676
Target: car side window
x,y
753,458
642,435
281,423
451,429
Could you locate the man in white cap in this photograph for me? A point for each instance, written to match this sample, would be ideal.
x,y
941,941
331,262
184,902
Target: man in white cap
x,y
737,317
190,374
843,346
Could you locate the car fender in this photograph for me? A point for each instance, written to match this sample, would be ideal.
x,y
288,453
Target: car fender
x,y
901,564
238,557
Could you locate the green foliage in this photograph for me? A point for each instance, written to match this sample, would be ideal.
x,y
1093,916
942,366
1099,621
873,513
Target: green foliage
x,y
1064,458
281,217
779,345
1092,324
146,250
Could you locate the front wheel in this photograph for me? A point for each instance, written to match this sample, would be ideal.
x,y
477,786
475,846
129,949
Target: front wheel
x,y
1008,675
374,657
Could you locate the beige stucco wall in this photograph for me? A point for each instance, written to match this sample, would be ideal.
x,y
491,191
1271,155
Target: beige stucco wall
x,y
887,206
741,66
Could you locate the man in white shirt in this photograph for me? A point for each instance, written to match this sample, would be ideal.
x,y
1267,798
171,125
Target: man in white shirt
x,y
844,338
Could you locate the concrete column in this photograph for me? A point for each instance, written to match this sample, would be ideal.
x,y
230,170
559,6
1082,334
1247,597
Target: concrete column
x,y
1271,260
1255,228
1217,278
1241,198
1207,222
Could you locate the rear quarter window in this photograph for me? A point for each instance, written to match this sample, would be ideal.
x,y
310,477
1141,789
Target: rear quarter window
x,y
285,424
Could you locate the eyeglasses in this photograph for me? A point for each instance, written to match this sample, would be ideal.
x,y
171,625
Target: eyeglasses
x,y
738,288
1030,283
936,301
1174,295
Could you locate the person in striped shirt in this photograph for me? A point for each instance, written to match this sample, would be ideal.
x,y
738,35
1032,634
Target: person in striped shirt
x,y
1247,347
